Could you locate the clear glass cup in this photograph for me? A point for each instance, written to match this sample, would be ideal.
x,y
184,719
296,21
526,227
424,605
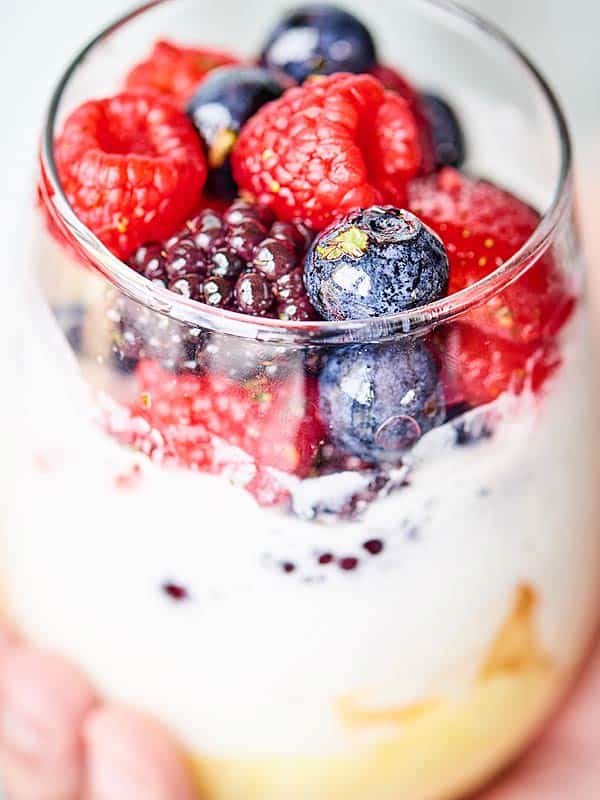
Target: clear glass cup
x,y
310,626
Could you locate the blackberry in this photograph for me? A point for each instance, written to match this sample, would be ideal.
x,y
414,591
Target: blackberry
x,y
242,260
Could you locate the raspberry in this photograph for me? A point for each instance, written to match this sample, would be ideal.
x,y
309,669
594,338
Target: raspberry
x,y
396,82
327,147
241,260
175,71
479,367
132,168
482,226
275,423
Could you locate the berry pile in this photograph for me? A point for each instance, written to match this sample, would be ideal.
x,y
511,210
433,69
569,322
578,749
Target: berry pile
x,y
242,260
350,205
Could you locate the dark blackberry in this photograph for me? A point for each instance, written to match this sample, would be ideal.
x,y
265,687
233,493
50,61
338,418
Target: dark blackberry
x,y
216,291
149,260
244,238
292,233
242,211
189,285
141,333
241,260
184,258
253,294
274,259
224,264
293,310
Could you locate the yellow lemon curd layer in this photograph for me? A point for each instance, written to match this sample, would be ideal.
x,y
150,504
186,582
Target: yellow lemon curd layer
x,y
442,748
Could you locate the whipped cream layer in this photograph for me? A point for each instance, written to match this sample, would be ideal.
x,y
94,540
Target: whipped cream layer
x,y
255,661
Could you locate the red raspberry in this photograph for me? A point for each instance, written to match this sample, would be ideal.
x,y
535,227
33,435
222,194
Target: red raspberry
x,y
478,367
276,423
324,148
132,168
175,71
482,226
395,82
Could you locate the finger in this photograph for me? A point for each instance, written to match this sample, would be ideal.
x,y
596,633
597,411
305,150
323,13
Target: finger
x,y
43,702
129,757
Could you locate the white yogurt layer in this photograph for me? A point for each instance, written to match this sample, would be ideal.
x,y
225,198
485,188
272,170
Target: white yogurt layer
x,y
253,662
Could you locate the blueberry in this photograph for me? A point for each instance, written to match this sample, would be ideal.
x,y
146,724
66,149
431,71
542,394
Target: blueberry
x,y
319,39
377,261
223,102
448,138
379,399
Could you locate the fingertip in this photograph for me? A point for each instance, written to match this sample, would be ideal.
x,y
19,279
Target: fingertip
x,y
131,757
43,703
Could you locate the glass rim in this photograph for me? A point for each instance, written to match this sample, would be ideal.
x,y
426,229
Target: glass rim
x,y
411,322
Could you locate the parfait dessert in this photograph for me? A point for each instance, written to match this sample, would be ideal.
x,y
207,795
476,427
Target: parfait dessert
x,y
307,466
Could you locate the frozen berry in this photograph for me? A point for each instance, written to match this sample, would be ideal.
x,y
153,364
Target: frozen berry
x,y
327,147
175,71
377,400
448,139
132,168
223,102
379,261
319,39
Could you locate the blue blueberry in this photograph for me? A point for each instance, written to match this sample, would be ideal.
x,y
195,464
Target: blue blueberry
x,y
319,39
377,261
448,138
378,400
224,101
